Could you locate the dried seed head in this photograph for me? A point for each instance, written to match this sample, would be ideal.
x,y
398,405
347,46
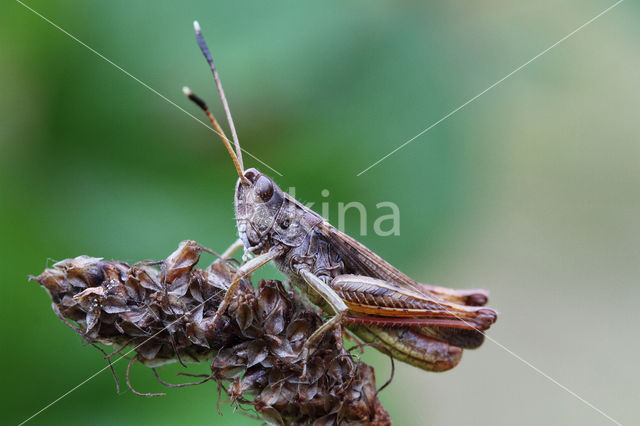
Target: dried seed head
x,y
164,311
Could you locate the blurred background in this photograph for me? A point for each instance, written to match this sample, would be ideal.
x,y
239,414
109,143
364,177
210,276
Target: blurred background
x,y
532,191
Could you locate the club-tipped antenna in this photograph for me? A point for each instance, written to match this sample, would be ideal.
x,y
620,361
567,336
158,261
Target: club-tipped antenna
x,y
198,101
225,104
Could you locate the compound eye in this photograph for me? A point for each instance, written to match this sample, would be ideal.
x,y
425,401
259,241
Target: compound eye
x,y
264,188
251,174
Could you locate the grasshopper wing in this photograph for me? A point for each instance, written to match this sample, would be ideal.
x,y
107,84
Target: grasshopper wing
x,y
379,294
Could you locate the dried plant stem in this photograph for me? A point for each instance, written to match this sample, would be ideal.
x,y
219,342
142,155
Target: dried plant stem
x,y
164,311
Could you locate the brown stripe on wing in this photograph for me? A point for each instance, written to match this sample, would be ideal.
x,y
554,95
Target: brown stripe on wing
x,y
456,333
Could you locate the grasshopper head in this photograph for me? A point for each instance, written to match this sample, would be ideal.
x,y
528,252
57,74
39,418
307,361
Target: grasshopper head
x,y
266,215
258,200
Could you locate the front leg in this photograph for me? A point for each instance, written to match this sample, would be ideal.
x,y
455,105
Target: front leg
x,y
337,305
243,271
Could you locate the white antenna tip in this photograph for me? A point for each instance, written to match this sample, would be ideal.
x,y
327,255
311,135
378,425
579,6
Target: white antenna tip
x,y
186,91
196,26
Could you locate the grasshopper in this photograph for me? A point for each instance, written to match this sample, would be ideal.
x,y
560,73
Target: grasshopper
x,y
423,325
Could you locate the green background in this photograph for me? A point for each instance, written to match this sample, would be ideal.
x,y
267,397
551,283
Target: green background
x,y
531,191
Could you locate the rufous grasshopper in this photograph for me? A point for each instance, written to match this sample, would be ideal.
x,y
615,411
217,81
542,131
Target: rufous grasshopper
x,y
423,325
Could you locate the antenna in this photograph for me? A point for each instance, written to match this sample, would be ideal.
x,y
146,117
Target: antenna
x,y
207,55
198,101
